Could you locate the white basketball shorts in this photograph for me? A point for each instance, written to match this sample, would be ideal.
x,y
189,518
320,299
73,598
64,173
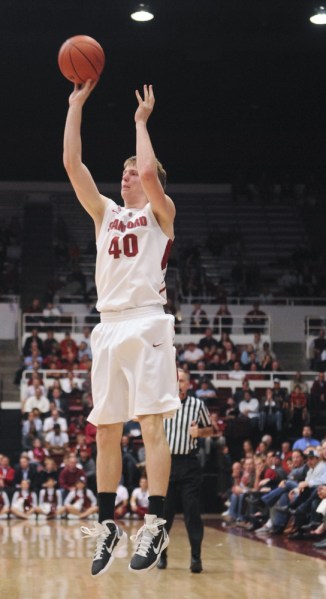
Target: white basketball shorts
x,y
134,367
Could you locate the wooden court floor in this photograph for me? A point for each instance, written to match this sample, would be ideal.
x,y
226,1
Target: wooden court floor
x,y
50,561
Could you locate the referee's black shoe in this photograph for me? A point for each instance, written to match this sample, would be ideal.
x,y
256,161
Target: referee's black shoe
x,y
196,566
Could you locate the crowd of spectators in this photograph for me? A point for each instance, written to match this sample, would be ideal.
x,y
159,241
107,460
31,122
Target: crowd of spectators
x,y
215,355
50,354
282,407
56,473
55,429
280,491
262,441
43,487
270,468
221,353
254,321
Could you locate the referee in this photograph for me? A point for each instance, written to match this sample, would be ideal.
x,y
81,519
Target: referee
x,y
191,421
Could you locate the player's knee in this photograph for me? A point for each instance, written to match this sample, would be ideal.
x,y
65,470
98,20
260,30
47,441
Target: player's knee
x,y
152,428
108,435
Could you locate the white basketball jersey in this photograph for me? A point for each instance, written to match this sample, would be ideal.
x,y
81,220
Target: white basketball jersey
x,y
132,254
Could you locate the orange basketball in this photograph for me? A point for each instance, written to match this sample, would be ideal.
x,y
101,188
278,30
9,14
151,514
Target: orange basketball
x,y
81,58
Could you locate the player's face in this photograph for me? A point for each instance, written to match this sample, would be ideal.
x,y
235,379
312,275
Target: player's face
x,y
130,183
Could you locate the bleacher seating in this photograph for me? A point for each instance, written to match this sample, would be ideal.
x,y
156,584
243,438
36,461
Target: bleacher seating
x,y
260,234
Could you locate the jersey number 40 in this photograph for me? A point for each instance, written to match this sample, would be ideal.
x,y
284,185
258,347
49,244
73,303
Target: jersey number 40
x,y
129,245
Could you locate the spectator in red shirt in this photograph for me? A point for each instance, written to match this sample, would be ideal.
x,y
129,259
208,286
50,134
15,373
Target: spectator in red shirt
x,y
68,343
286,455
255,320
298,407
70,474
90,437
69,360
7,475
85,363
90,433
77,425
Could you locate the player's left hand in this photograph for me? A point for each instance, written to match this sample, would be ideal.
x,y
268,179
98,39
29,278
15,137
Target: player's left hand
x,y
146,105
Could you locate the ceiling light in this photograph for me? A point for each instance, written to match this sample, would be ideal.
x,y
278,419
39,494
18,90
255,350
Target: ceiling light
x,y
142,13
319,16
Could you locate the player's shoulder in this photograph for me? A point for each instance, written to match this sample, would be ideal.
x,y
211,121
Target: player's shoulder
x,y
108,202
170,205
167,205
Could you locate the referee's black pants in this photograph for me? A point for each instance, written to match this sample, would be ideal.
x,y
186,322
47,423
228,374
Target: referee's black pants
x,y
185,482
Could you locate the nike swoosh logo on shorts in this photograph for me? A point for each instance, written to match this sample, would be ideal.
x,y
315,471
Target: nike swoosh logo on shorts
x,y
157,344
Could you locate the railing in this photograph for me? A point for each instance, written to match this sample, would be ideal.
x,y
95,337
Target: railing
x,y
313,325
75,323
66,298
249,300
220,379
9,299
233,324
48,376
200,299
51,374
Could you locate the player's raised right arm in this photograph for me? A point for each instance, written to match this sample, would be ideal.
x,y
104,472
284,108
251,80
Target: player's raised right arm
x,y
79,175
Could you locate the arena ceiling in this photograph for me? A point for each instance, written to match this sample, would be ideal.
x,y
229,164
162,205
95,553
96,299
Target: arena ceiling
x,y
240,87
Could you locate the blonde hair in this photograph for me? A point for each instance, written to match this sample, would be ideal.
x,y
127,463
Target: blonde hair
x,y
161,173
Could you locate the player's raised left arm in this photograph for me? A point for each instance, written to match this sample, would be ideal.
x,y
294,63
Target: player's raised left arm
x,y
161,204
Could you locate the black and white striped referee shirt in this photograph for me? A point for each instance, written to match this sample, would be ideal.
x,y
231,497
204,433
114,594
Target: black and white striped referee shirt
x,y
177,428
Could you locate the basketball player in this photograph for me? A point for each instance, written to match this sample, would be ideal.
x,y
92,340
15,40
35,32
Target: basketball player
x,y
134,372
